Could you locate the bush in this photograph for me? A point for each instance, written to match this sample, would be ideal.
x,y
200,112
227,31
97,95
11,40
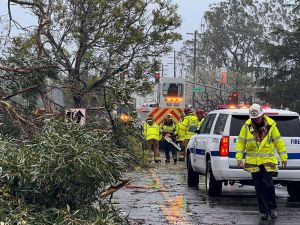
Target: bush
x,y
35,215
65,165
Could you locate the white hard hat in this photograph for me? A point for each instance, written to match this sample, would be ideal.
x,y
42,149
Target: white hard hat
x,y
255,111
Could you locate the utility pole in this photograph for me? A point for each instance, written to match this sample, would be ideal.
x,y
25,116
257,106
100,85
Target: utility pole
x,y
194,69
174,63
163,66
194,65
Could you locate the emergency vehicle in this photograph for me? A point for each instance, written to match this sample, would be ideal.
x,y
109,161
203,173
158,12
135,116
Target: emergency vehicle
x,y
170,99
212,152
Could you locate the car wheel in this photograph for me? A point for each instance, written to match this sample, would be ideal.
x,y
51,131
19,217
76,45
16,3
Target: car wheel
x,y
193,176
213,187
293,189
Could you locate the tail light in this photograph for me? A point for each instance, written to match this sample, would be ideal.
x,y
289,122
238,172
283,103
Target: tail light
x,y
224,146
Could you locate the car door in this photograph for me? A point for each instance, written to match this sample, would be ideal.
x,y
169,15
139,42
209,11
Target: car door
x,y
203,143
236,123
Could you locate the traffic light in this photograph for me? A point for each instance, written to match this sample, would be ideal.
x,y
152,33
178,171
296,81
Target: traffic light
x,y
157,77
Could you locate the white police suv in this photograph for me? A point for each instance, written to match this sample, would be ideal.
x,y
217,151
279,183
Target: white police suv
x,y
212,152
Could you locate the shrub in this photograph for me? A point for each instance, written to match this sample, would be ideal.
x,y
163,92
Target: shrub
x,y
35,215
64,165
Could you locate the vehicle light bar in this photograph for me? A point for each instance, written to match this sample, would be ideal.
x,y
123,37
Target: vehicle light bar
x,y
173,99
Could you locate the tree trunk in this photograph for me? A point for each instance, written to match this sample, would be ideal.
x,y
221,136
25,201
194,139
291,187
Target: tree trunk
x,y
77,100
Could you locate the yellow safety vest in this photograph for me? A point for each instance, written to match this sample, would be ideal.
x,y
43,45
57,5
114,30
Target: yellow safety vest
x,y
168,128
260,153
190,122
151,132
180,130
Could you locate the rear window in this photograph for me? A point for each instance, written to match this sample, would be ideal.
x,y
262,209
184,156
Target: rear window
x,y
288,126
220,124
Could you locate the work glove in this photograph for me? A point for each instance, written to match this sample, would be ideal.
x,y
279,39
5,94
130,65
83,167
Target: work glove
x,y
240,164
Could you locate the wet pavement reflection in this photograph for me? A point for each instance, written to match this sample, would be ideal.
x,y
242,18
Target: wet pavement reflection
x,y
159,195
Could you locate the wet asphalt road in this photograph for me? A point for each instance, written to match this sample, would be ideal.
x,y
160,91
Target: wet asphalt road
x,y
159,195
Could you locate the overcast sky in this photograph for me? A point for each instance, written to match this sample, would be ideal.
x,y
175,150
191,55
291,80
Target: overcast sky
x,y
192,12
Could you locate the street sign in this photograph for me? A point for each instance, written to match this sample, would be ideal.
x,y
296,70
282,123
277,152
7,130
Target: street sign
x,y
198,89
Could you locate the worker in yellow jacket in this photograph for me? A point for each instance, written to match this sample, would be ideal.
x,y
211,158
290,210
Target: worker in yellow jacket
x,y
152,135
190,122
257,139
180,130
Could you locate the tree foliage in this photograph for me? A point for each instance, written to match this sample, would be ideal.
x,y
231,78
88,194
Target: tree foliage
x,y
66,166
82,47
232,35
93,41
283,80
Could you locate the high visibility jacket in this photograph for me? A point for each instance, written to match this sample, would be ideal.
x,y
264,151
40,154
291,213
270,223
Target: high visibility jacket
x,y
260,152
151,131
167,128
190,122
200,123
180,130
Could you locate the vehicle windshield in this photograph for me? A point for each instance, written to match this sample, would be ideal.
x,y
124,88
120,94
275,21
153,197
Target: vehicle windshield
x,y
288,126
173,89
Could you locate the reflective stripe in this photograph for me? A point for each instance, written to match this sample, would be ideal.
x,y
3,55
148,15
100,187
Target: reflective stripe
x,y
260,155
255,168
281,153
239,152
249,139
151,135
277,138
241,139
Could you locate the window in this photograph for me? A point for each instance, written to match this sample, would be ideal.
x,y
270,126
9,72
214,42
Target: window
x,y
288,126
172,89
220,124
207,124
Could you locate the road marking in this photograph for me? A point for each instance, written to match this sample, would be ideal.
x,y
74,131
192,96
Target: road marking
x,y
172,209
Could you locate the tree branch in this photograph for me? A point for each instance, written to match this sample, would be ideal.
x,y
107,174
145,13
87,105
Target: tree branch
x,y
20,92
26,70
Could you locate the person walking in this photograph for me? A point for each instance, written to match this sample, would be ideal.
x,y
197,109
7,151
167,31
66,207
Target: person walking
x,y
167,130
152,135
258,138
